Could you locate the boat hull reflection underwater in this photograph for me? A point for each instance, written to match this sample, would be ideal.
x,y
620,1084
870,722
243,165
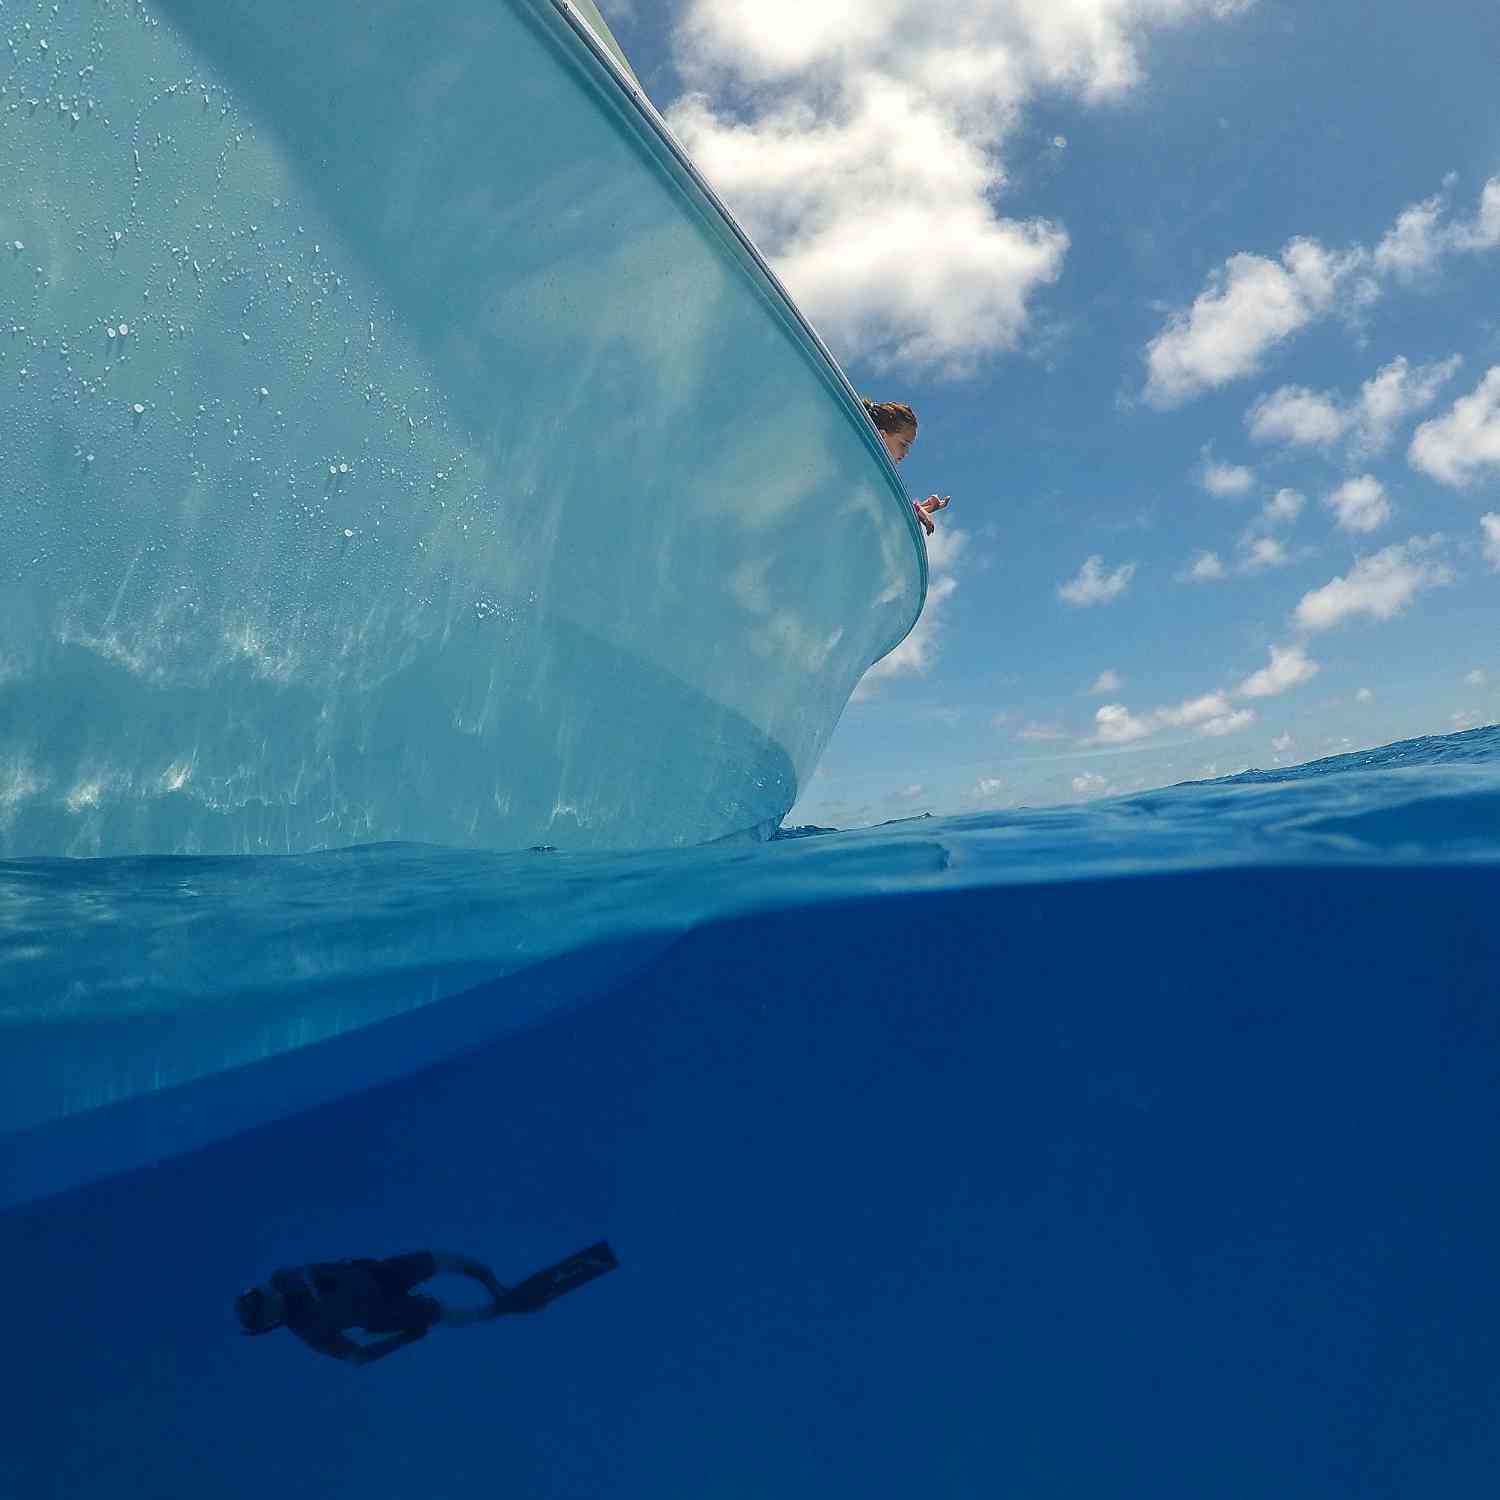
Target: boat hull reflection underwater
x,y
150,1006
403,443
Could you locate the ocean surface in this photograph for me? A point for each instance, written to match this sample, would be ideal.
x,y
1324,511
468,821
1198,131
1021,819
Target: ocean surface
x,y
1149,1147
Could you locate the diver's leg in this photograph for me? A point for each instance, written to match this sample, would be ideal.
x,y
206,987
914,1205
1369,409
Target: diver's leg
x,y
399,1274
464,1317
465,1265
408,1313
404,1309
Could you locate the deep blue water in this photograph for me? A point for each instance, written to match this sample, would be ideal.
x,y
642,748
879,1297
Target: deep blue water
x,y
1144,1148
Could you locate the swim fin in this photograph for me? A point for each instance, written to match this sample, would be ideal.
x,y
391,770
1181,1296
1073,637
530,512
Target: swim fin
x,y
537,1291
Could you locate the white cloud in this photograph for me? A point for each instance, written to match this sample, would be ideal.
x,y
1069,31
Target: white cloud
x,y
1380,586
1108,681
1114,725
1090,784
1360,504
1289,666
1252,303
1283,508
1194,710
1419,239
1204,568
1395,392
1248,307
1297,416
916,654
880,219
1457,447
1265,552
1036,732
1476,678
1210,714
862,148
991,55
1259,549
1225,479
1094,585
988,786
1230,723
1282,743
1364,695
1412,244
1483,231
1489,526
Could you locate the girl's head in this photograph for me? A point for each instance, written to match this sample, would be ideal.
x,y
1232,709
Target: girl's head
x,y
897,425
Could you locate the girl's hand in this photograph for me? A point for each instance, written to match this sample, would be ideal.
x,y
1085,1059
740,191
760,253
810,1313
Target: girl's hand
x,y
925,509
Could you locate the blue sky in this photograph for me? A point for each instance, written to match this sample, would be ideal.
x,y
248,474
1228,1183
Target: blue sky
x,y
1196,300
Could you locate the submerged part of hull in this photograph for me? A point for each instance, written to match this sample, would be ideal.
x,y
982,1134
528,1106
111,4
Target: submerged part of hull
x,y
402,444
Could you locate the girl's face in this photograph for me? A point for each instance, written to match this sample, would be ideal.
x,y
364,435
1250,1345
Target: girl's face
x,y
898,444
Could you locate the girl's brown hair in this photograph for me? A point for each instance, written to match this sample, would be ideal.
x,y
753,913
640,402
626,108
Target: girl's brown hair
x,y
894,417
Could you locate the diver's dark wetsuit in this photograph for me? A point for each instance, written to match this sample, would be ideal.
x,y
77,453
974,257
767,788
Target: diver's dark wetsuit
x,y
322,1301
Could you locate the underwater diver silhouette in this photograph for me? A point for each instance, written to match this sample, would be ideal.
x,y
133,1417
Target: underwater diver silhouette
x,y
321,1302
